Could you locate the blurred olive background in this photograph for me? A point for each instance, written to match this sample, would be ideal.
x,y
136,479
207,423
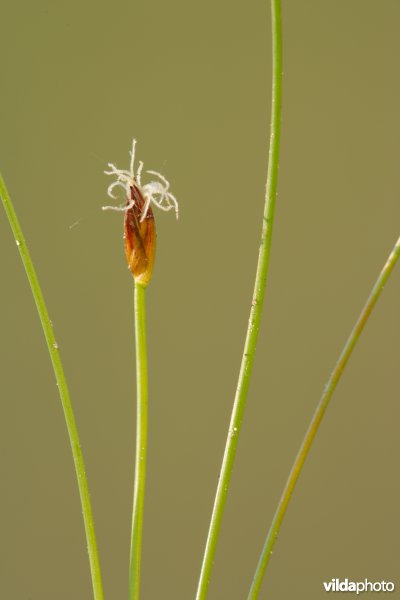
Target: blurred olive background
x,y
191,81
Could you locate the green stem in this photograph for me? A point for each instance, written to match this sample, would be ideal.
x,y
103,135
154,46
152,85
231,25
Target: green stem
x,y
317,418
62,389
255,311
141,442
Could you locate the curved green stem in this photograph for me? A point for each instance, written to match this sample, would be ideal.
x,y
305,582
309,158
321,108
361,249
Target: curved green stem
x,y
141,442
62,389
256,308
317,418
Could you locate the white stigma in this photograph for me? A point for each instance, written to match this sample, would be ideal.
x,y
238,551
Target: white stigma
x,y
154,192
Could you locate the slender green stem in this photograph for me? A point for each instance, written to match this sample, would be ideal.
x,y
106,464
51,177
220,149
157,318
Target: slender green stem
x,y
255,311
141,442
62,389
317,418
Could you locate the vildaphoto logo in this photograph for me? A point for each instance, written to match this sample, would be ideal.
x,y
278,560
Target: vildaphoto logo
x,y
345,585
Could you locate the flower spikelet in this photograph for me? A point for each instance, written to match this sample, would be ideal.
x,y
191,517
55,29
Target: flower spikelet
x,y
140,230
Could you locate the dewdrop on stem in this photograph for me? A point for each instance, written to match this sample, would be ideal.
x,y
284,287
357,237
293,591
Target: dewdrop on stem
x,y
139,228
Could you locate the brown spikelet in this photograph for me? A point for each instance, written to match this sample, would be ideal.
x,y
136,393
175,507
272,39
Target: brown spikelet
x,y
140,238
